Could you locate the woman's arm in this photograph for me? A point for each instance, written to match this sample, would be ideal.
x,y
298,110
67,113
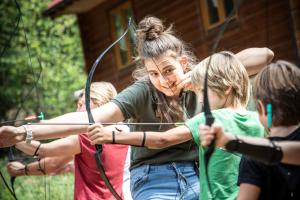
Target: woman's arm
x,y
153,140
109,112
255,58
69,146
45,166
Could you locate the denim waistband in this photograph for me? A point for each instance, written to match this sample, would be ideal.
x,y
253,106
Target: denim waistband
x,y
165,166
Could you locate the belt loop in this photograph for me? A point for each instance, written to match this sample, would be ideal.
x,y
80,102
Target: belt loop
x,y
196,166
147,168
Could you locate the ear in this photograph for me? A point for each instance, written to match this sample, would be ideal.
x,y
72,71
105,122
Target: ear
x,y
262,108
184,62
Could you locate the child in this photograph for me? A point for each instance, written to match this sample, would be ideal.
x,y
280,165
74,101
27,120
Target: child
x,y
277,85
88,184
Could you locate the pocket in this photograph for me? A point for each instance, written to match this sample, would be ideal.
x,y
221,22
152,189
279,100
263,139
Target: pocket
x,y
138,178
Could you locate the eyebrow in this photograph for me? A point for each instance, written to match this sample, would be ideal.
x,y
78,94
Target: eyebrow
x,y
163,69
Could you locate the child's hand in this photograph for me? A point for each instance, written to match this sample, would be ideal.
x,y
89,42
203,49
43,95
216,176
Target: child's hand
x,y
15,168
10,135
207,134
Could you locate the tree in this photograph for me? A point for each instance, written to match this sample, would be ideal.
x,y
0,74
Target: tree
x,y
42,65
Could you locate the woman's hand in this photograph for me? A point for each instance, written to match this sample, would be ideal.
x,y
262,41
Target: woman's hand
x,y
15,168
10,135
99,134
207,134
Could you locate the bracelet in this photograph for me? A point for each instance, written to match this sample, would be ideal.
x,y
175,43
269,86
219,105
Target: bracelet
x,y
113,137
144,139
26,170
276,154
28,136
36,151
40,167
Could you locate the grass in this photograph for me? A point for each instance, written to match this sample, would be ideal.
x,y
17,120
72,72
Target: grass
x,y
38,187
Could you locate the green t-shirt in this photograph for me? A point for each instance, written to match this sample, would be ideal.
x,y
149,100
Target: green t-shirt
x,y
138,102
223,166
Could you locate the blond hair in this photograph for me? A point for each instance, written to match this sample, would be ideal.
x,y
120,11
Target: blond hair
x,y
102,92
225,71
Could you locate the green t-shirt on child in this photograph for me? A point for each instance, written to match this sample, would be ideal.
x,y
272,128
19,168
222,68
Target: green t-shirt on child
x,y
223,166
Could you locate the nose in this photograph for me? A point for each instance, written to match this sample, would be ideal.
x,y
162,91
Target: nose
x,y
163,79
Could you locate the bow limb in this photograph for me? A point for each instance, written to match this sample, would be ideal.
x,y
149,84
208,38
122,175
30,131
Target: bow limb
x,y
91,119
11,158
209,119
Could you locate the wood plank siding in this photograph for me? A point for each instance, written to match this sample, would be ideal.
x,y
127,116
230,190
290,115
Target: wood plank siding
x,y
258,23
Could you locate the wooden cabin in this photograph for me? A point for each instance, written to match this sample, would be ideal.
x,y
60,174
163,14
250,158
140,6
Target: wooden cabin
x,y
260,23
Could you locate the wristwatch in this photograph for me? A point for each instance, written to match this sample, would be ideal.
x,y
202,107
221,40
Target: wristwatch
x,y
28,137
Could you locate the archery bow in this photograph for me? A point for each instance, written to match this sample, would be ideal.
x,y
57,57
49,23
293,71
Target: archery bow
x,y
209,119
99,148
11,189
41,116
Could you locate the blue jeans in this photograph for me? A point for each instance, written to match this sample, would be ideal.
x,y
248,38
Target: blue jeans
x,y
167,181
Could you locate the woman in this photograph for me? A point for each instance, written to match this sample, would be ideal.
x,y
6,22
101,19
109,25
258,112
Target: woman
x,y
158,95
228,92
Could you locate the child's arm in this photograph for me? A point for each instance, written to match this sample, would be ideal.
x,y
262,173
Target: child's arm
x,y
248,192
45,166
69,146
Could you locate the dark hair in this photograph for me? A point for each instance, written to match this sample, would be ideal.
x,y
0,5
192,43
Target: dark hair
x,y
154,40
279,84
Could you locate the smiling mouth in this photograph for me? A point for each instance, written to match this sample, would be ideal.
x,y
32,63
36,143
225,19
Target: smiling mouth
x,y
170,87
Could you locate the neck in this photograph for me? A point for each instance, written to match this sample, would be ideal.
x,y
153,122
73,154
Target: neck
x,y
236,106
282,131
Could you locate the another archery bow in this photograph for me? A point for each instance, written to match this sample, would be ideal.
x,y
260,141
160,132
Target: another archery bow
x,y
209,119
90,116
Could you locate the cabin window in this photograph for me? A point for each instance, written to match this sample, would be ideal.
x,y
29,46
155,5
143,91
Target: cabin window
x,y
124,49
215,12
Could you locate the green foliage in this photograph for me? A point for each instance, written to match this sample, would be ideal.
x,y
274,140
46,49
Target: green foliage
x,y
53,43
56,45
38,187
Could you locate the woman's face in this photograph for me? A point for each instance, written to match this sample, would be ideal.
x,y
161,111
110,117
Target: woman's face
x,y
165,73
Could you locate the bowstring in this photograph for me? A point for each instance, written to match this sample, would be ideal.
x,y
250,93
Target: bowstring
x,y
11,189
26,96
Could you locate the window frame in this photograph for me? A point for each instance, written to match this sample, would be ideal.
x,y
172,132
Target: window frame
x,y
221,14
117,50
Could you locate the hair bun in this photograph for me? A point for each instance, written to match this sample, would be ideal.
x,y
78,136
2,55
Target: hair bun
x,y
150,28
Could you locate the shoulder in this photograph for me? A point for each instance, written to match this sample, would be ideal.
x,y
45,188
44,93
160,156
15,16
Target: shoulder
x,y
251,172
137,89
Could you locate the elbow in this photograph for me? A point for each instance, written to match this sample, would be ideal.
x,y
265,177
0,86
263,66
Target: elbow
x,y
160,143
52,166
270,54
